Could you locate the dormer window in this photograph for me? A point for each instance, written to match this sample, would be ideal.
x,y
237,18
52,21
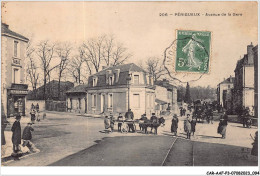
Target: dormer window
x,y
94,83
136,79
110,80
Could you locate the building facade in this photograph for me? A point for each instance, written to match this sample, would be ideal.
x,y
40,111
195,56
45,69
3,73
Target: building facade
x,y
224,93
166,96
114,90
244,88
13,74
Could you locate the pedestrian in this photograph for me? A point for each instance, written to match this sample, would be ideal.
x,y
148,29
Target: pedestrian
x,y
222,127
187,126
27,137
16,138
37,107
107,124
154,121
174,125
32,106
129,116
112,122
120,120
38,116
33,115
193,125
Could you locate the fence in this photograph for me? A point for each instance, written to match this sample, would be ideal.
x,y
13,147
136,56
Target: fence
x,y
59,106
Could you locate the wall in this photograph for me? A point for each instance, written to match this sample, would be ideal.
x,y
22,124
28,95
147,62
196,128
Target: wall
x,y
249,76
161,93
75,103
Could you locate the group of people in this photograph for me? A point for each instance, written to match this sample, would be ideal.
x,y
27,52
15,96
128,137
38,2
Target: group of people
x,y
109,122
189,125
126,122
35,113
18,136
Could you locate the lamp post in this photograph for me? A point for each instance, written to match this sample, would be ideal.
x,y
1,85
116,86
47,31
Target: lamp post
x,y
128,79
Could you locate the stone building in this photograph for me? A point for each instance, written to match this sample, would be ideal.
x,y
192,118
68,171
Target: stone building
x,y
166,96
244,88
255,49
13,74
224,93
114,90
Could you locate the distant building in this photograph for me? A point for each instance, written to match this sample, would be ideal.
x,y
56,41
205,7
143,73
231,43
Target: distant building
x,y
224,93
166,96
13,74
108,90
244,88
77,99
51,91
255,49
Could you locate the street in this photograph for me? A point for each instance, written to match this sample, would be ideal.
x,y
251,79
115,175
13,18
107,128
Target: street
x,y
65,139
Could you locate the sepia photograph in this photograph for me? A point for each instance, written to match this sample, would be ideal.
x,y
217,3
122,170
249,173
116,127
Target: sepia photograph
x,y
130,83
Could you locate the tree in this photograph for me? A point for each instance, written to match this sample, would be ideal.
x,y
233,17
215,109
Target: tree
x,y
63,51
32,69
103,50
76,65
45,51
187,98
155,68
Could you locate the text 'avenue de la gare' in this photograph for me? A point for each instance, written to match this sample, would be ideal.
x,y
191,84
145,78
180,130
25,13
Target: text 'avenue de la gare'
x,y
200,14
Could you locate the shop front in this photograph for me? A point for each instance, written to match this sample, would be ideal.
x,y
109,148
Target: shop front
x,y
16,100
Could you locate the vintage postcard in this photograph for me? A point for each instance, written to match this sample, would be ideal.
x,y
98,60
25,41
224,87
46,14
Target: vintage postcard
x,y
125,83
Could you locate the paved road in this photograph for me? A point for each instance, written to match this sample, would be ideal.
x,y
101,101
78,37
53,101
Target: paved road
x,y
74,140
156,151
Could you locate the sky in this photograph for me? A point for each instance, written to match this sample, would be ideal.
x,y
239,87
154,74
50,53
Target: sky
x,y
140,28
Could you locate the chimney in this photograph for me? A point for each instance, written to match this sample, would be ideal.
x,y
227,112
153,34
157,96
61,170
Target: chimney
x,y
250,53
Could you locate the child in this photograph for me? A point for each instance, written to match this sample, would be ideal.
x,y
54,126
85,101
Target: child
x,y
27,137
187,126
32,115
112,122
107,124
193,125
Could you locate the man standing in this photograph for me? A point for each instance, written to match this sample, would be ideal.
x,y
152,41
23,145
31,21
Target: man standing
x,y
129,116
16,138
174,125
223,125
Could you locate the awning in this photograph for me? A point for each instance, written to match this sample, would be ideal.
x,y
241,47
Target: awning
x,y
161,102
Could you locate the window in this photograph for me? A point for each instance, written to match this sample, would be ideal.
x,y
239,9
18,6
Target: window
x,y
15,48
71,103
136,79
94,100
110,100
79,103
136,101
16,76
94,82
110,81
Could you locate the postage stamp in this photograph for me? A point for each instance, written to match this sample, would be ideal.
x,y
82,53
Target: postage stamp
x,y
192,51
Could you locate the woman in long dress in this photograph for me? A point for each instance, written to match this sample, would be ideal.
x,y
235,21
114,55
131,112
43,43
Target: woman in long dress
x,y
174,125
187,126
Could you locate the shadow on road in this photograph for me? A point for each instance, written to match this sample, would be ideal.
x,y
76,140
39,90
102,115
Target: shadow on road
x,y
205,136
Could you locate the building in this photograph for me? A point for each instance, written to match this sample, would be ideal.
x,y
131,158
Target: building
x,y
76,99
114,90
13,74
244,89
224,93
255,49
166,96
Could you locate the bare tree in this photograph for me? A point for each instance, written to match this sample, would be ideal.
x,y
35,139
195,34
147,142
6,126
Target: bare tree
x,y
32,69
76,66
103,50
45,51
155,68
63,51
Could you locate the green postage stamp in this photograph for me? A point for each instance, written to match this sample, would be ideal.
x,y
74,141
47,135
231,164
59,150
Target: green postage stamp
x,y
193,51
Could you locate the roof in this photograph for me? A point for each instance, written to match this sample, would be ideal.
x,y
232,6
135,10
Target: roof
x,y
78,89
165,83
161,102
123,68
6,31
229,80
